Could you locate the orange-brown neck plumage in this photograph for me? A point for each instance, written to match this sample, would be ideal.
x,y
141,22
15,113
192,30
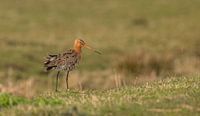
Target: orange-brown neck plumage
x,y
77,46
77,49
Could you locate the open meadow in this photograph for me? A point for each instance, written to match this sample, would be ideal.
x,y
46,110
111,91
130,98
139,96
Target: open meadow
x,y
150,61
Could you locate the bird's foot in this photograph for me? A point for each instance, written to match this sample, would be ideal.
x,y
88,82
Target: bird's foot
x,y
57,91
67,89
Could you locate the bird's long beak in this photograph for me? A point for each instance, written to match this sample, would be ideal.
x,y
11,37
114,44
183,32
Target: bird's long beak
x,y
90,48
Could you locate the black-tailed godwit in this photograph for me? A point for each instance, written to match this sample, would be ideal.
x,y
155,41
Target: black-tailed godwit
x,y
66,61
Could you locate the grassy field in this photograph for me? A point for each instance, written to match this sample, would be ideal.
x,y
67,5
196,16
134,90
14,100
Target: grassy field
x,y
141,42
172,96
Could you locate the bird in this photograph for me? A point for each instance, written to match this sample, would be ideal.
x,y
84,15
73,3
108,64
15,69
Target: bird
x,y
66,61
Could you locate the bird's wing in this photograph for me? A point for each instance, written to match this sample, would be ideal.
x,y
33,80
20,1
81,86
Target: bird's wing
x,y
67,60
64,61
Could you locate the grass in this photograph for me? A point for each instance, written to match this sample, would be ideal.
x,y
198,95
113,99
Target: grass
x,y
171,96
29,30
141,41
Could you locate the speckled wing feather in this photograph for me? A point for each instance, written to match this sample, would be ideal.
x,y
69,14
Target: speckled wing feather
x,y
65,61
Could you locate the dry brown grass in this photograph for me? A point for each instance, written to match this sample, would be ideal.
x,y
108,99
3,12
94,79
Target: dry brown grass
x,y
143,63
23,88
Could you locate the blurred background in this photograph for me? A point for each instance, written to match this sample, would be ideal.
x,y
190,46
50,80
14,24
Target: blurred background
x,y
140,41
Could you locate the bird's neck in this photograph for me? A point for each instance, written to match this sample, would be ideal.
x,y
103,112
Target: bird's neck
x,y
77,49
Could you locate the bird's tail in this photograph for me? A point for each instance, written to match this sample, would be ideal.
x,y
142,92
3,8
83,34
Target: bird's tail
x,y
50,62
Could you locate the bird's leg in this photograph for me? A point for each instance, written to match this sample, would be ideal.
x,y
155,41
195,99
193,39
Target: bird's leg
x,y
67,79
57,81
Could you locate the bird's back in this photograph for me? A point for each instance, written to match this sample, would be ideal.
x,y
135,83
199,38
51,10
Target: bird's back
x,y
65,61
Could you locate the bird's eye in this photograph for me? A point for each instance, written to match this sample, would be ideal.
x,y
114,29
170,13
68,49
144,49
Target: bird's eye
x,y
82,43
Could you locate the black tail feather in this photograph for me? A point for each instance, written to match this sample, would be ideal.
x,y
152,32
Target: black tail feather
x,y
49,68
49,62
46,62
53,55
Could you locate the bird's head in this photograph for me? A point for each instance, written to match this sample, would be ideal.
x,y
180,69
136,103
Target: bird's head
x,y
79,43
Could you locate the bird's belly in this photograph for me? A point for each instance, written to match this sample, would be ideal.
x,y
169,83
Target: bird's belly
x,y
66,67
